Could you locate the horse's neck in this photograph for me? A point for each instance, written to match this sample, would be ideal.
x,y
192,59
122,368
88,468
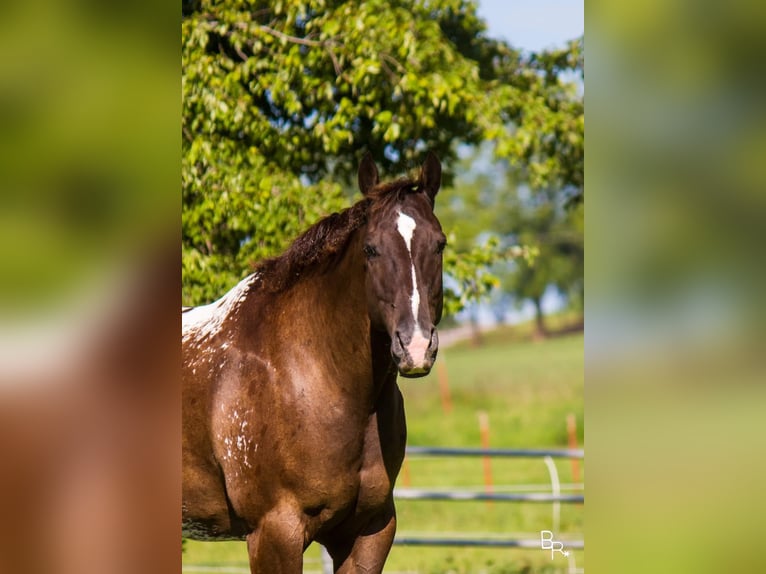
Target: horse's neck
x,y
335,299
335,310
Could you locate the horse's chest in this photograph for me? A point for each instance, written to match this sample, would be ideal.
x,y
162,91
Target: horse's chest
x,y
375,481
351,474
374,486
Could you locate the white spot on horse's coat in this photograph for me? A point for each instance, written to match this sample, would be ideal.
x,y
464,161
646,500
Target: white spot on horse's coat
x,y
205,321
228,444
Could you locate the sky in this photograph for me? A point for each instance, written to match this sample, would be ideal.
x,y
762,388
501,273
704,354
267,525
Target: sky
x,y
534,24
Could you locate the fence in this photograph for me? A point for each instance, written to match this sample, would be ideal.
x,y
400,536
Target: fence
x,y
555,497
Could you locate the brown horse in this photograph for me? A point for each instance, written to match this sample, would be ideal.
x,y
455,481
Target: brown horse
x,y
293,423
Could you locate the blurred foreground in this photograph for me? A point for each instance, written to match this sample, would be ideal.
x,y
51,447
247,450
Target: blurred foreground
x,y
675,311
676,276
89,410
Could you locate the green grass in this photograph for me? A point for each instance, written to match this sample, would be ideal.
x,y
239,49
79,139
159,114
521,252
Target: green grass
x,y
527,389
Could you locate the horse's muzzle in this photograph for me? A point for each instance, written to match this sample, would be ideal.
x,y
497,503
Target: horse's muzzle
x,y
414,354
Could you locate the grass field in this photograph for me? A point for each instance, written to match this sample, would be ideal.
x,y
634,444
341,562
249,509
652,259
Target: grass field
x,y
527,389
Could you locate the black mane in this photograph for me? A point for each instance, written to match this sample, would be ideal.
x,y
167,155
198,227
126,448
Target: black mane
x,y
327,238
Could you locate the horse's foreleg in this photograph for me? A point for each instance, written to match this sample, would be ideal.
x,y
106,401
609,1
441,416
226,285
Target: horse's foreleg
x,y
367,553
276,546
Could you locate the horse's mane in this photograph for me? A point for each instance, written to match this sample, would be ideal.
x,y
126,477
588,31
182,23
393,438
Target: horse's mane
x,y
321,243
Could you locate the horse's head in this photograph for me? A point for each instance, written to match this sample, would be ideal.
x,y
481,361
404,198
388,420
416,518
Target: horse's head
x,y
403,248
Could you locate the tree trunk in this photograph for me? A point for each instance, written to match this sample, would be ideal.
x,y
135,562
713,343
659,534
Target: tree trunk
x,y
476,339
540,331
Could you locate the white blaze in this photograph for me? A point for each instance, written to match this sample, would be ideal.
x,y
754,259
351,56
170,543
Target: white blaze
x,y
406,226
419,344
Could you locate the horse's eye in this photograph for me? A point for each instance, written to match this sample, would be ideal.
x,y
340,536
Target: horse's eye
x,y
370,251
440,246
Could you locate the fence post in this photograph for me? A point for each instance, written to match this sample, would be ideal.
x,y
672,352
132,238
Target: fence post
x,y
572,433
556,490
484,432
406,479
441,374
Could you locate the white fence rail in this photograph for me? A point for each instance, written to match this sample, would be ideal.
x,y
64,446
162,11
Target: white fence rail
x,y
554,496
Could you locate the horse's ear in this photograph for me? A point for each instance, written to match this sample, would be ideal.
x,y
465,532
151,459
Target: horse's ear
x,y
368,174
431,175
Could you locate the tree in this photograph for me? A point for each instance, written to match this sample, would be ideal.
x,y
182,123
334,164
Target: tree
x,y
281,99
542,108
556,230
532,200
546,151
541,230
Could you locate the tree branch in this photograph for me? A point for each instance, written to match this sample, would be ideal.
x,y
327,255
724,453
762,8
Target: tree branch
x,y
293,39
326,44
388,57
335,62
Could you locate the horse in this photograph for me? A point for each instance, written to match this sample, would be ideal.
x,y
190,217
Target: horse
x,y
293,422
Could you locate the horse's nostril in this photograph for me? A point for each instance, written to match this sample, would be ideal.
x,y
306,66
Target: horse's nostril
x,y
397,347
